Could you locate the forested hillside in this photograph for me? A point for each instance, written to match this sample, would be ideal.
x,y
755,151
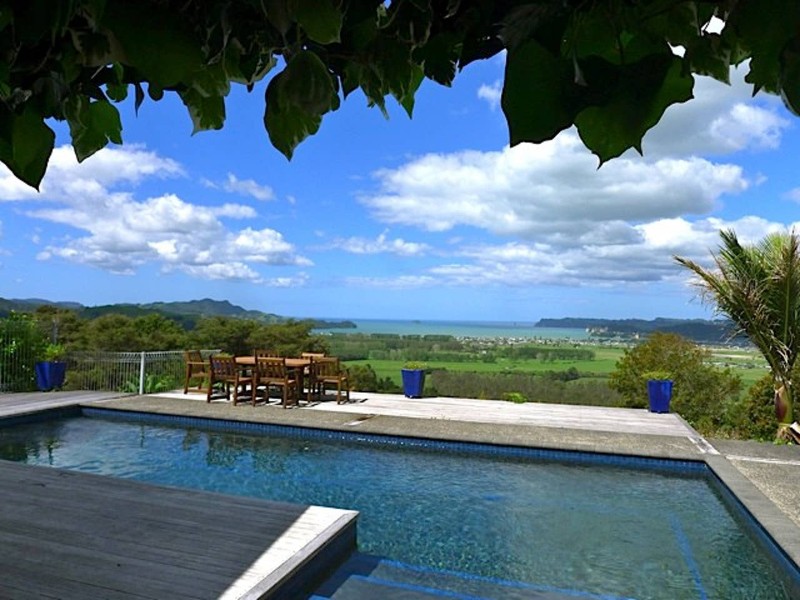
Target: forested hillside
x,y
699,330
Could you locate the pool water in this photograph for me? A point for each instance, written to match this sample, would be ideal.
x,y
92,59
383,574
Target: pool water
x,y
608,531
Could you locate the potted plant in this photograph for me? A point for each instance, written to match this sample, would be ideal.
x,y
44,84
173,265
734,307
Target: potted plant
x,y
50,371
413,374
659,390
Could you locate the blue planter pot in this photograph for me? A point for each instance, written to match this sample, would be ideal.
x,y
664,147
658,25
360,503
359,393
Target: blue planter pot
x,y
413,382
50,375
659,392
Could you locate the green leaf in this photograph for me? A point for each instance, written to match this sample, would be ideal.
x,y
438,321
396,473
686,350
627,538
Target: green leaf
x,y
397,73
709,55
278,14
439,57
407,99
206,112
763,28
92,125
139,96
643,92
296,99
25,144
539,98
320,19
790,76
156,42
117,91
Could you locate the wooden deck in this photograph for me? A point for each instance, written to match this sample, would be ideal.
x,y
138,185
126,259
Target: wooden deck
x,y
79,536
470,410
586,418
22,403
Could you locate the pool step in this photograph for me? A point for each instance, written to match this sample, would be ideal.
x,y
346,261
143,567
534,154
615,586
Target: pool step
x,y
364,577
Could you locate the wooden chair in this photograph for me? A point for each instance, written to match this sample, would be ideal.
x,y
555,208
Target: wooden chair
x,y
271,372
326,371
224,370
196,367
264,353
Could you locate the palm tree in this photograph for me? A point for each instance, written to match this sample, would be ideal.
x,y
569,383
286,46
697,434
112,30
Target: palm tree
x,y
758,288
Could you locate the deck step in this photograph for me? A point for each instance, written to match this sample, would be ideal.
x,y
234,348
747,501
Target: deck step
x,y
364,576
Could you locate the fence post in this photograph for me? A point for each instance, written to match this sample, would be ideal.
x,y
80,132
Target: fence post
x,y
141,376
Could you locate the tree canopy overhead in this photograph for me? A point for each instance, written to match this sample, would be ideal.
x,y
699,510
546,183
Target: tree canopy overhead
x,y
606,66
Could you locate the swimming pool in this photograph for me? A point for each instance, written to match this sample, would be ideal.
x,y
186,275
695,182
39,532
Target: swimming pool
x,y
554,521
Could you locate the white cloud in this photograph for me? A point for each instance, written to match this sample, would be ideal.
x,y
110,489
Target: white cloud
x,y
648,260
550,192
118,233
491,93
793,195
721,119
398,283
243,187
381,244
568,223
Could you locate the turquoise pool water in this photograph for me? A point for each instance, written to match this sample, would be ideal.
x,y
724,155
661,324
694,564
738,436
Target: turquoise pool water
x,y
610,532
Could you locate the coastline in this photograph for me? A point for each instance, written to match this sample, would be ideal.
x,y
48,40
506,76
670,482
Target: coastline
x,y
459,329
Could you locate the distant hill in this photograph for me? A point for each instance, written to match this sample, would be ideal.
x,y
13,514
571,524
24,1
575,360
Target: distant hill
x,y
195,308
185,313
30,304
699,330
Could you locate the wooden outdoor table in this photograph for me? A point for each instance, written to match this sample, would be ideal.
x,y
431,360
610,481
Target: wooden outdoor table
x,y
298,365
292,363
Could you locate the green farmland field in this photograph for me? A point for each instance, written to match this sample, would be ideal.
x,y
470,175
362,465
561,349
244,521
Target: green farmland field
x,y
747,364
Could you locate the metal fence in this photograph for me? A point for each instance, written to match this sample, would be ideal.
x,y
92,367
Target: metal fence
x,y
133,372
19,345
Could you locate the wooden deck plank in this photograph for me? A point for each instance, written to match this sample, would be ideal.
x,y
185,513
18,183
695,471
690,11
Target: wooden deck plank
x,y
25,402
619,420
89,536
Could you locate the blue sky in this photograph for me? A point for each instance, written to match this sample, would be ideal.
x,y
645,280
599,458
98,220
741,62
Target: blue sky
x,y
433,217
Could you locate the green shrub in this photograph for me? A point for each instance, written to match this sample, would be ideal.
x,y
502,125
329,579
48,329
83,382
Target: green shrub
x,y
701,392
753,416
515,397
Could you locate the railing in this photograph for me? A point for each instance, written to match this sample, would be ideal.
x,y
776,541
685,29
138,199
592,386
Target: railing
x,y
19,343
133,372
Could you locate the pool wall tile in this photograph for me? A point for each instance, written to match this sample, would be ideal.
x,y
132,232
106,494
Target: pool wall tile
x,y
475,448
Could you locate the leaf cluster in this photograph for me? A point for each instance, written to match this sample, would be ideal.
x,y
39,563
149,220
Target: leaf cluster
x,y
606,67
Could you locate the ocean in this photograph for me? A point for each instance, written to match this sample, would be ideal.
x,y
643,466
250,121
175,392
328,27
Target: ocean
x,y
475,329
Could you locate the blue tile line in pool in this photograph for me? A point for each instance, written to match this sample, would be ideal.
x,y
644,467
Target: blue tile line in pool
x,y
492,580
688,555
430,591
573,456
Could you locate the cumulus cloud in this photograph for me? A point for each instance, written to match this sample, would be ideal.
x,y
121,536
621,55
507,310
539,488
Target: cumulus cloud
x,y
720,120
243,187
546,215
102,171
381,244
550,192
116,232
491,94
793,195
649,259
398,283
